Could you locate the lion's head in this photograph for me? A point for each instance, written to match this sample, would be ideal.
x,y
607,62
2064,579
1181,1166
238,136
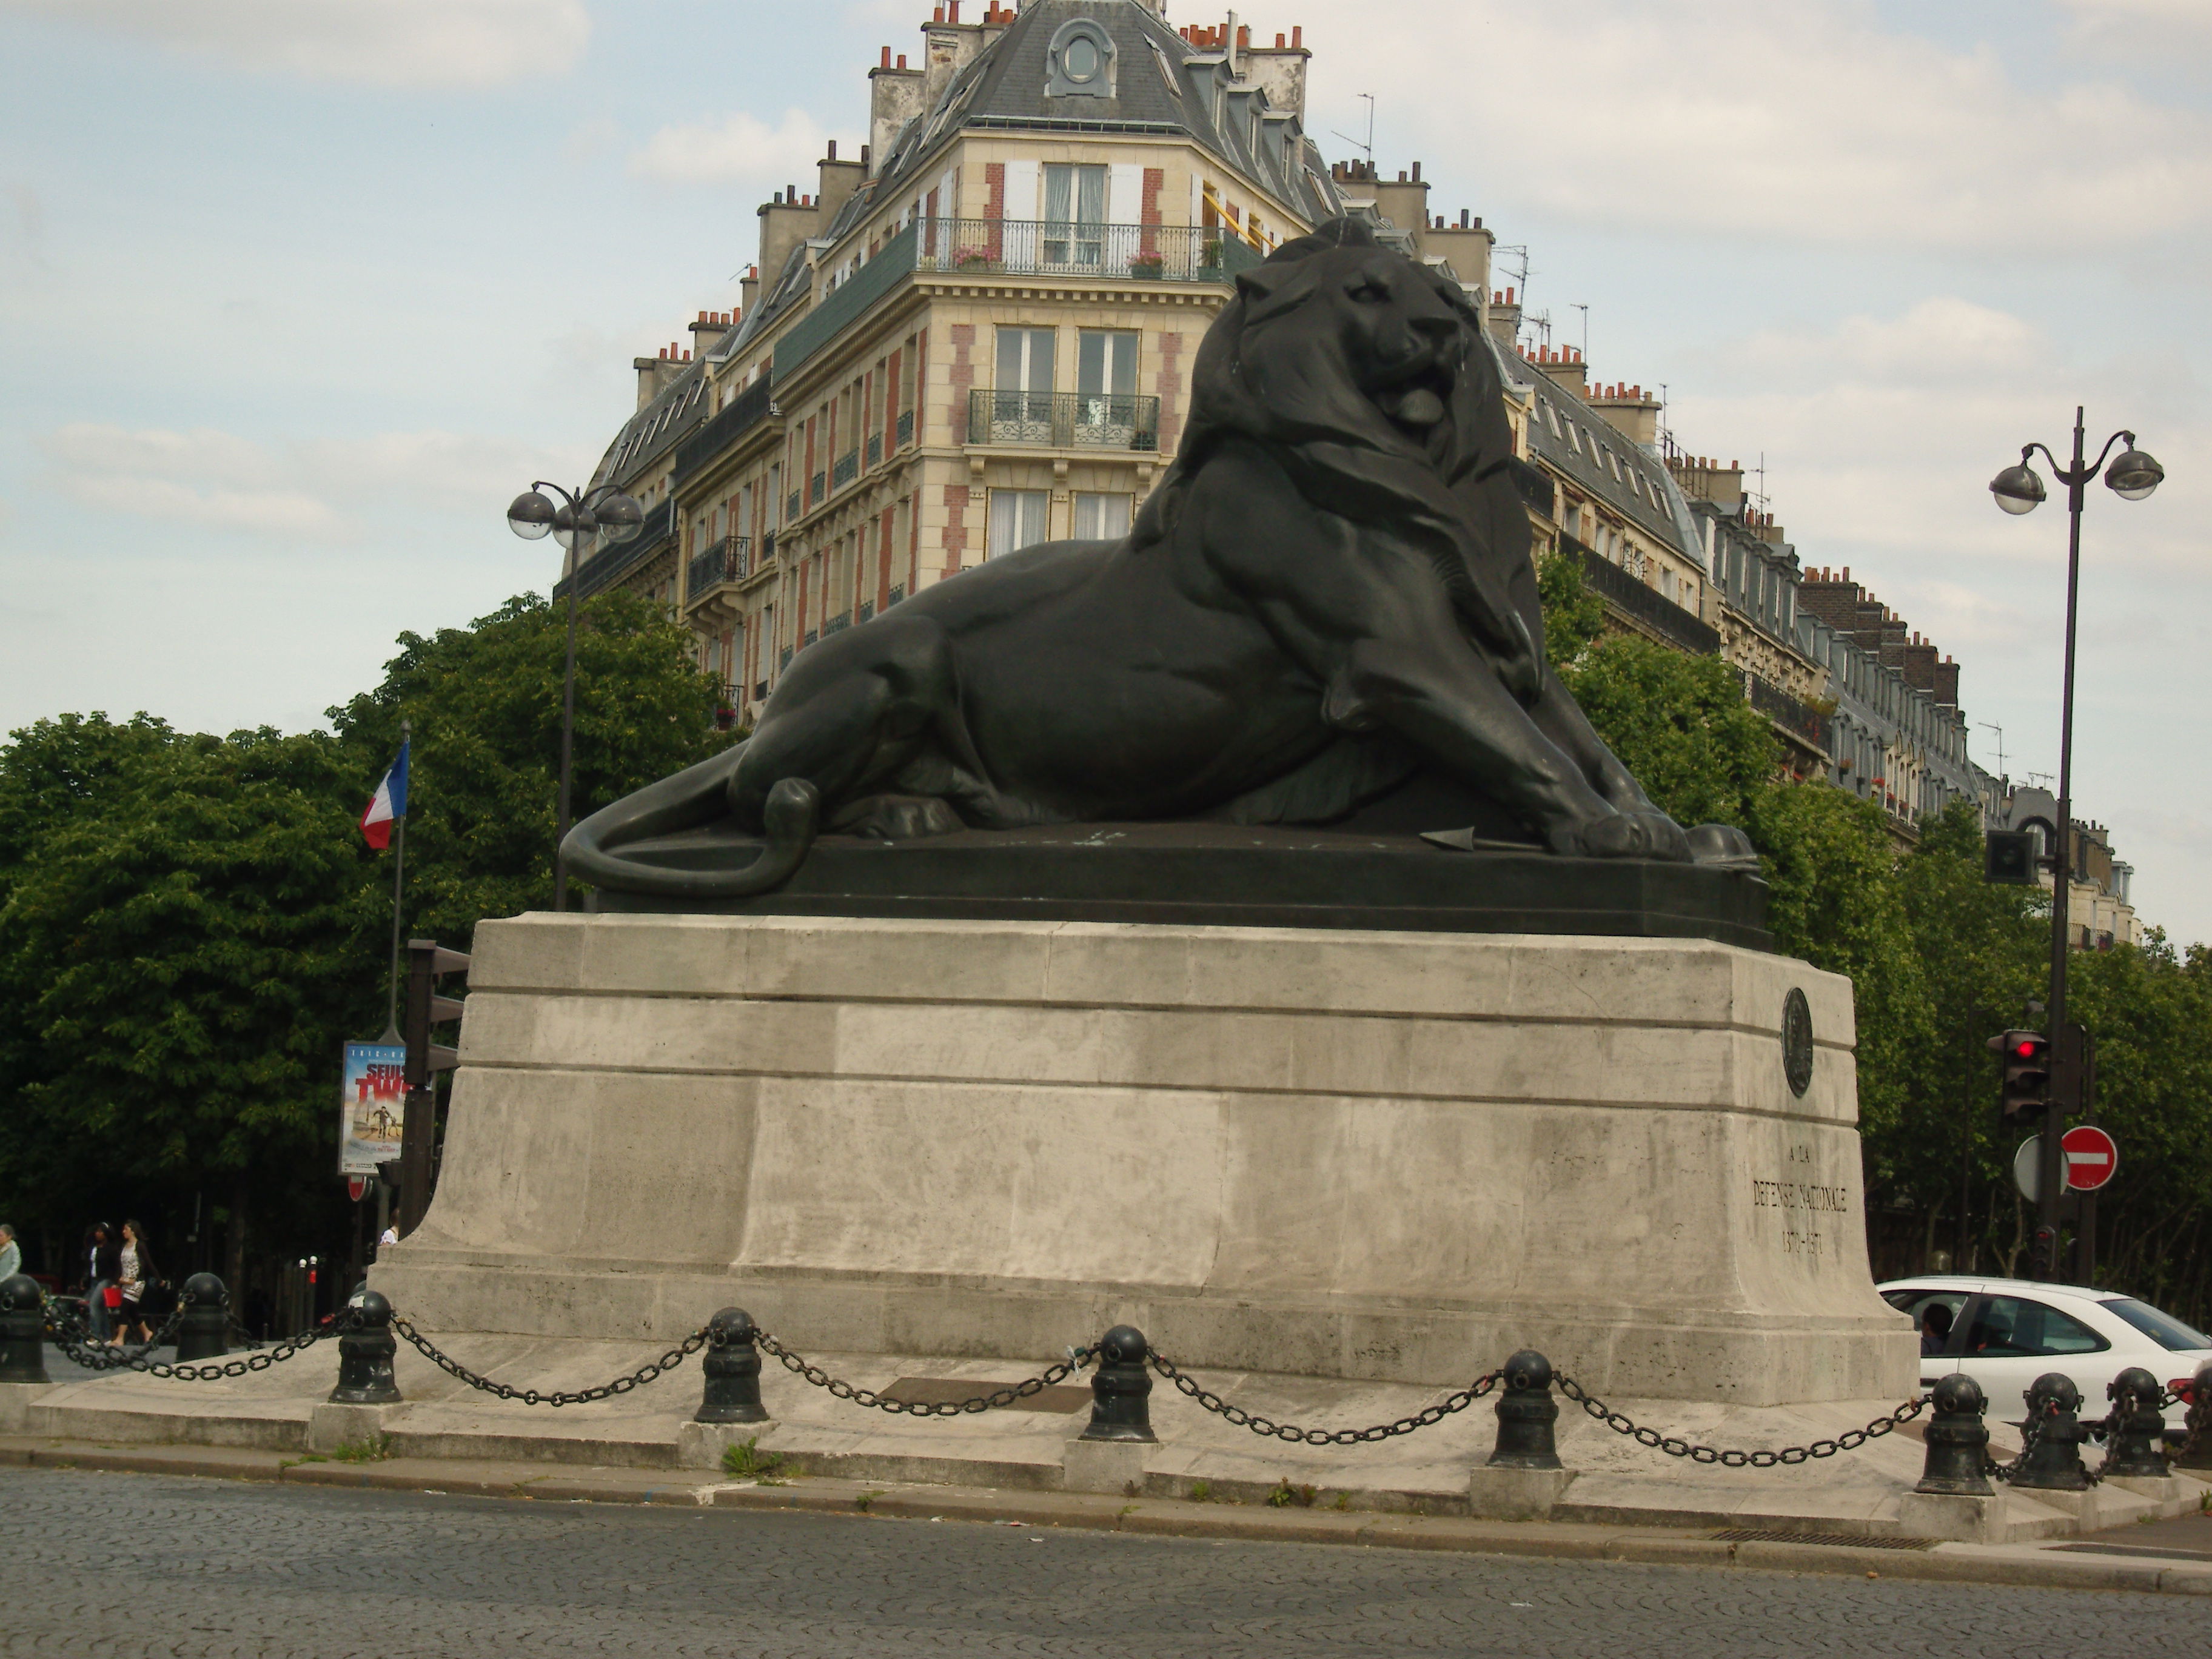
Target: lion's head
x,y
1370,370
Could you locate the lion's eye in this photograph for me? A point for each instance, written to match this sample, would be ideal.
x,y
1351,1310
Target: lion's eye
x,y
1369,291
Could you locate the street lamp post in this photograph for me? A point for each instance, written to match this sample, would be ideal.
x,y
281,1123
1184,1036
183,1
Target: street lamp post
x,y
581,515
2017,489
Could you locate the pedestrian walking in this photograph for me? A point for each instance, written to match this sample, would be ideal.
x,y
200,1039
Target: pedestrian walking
x,y
101,1261
134,1276
11,1254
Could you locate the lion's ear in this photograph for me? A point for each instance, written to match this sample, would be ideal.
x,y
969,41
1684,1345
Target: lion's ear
x,y
1269,290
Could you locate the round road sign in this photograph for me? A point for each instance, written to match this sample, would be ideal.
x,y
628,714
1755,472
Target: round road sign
x,y
2092,1157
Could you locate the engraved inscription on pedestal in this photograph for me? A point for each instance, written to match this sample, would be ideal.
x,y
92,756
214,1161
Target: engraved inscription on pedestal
x,y
1807,1206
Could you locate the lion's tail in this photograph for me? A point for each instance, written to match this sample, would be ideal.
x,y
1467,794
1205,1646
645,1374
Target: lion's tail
x,y
695,796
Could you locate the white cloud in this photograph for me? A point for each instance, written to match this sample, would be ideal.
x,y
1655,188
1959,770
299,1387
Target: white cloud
x,y
2141,27
1802,120
1880,434
737,150
397,43
315,490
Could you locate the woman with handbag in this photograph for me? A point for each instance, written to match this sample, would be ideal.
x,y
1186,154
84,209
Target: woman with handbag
x,y
134,1276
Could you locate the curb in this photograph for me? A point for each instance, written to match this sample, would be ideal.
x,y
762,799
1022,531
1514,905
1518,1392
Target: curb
x,y
1145,1517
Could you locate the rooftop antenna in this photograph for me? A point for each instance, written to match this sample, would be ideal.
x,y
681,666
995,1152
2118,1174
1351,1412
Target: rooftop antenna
x,y
1368,146
2033,776
1991,726
1585,312
1760,494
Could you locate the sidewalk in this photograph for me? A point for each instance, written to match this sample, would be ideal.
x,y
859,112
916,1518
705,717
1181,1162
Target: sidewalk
x,y
1614,1493
2085,1565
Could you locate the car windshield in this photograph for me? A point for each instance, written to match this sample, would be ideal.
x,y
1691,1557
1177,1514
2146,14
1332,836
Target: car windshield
x,y
2162,1328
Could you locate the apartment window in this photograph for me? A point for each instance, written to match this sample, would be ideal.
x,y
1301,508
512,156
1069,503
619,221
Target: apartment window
x,y
1017,520
1106,361
1102,517
1074,214
1025,359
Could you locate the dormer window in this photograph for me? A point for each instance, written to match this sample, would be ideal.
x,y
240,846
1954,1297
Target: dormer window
x,y
1079,63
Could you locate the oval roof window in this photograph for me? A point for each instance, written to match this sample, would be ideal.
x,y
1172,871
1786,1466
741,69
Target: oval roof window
x,y
1079,63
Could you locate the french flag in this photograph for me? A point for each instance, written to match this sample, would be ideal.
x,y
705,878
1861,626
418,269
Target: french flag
x,y
387,805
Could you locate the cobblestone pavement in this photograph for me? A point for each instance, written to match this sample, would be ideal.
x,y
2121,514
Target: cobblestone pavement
x,y
129,1565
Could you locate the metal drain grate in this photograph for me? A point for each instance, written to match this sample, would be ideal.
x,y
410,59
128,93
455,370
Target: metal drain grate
x,y
1841,1539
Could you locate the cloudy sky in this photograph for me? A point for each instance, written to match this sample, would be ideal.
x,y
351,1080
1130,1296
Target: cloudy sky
x,y
294,294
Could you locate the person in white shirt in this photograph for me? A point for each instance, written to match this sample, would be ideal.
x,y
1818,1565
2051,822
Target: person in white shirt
x,y
11,1254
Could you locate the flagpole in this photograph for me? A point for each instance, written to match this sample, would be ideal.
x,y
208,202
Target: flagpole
x,y
398,882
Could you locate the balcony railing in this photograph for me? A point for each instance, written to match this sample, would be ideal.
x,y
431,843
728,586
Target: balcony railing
x,y
875,448
791,505
1064,420
1646,604
1799,718
815,491
1035,247
845,469
725,561
611,561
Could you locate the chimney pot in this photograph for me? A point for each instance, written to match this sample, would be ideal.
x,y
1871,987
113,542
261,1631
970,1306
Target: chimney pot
x,y
901,60
1244,37
1417,172
938,16
687,355
1296,30
833,150
952,11
887,57
1278,42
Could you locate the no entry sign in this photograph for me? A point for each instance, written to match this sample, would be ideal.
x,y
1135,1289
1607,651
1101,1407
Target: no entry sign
x,y
2092,1157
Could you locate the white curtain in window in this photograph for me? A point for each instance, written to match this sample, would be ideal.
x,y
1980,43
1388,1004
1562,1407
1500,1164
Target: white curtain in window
x,y
1017,520
1125,194
1106,360
1102,518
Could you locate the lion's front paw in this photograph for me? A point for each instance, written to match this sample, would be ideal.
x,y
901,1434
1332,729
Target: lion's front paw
x,y
1636,836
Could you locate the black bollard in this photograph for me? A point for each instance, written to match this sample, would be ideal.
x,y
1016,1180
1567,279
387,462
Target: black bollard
x,y
732,1366
1526,1412
204,1327
2138,1426
365,1354
1122,1388
2054,1461
22,1331
1957,1441
2195,1451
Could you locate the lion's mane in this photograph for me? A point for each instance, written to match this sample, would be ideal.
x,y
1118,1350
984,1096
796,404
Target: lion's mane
x,y
1273,370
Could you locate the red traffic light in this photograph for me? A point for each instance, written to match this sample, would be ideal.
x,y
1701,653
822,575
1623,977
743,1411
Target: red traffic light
x,y
2025,1048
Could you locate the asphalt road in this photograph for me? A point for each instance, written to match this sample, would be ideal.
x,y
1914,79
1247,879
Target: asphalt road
x,y
128,1565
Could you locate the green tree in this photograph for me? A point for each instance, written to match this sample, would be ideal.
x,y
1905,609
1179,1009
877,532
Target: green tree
x,y
180,957
484,702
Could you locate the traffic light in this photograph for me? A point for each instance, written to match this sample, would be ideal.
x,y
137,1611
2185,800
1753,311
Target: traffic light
x,y
2008,855
426,961
2025,1057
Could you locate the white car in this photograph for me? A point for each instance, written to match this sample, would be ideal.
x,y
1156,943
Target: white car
x,y
2005,1333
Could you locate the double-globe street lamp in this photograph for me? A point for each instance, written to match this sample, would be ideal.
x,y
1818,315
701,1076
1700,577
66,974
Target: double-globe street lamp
x,y
2020,488
581,515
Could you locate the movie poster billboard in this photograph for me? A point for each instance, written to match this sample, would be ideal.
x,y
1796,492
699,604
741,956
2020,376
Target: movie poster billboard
x,y
372,1103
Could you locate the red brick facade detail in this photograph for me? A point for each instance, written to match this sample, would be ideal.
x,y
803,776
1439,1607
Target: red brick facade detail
x,y
883,566
956,525
994,201
961,376
1148,212
1169,386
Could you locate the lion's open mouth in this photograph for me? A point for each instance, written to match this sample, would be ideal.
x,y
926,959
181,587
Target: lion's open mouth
x,y
1418,403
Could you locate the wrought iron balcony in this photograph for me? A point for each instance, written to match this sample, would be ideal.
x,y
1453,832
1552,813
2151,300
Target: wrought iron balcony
x,y
1035,248
726,561
1064,420
846,469
1646,604
1799,718
905,427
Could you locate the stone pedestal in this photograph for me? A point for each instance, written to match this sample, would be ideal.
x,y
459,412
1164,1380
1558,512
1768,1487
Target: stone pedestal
x,y
700,1445
1386,1155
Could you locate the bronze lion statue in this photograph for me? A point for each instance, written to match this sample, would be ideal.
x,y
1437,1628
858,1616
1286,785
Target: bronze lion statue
x,y
1330,589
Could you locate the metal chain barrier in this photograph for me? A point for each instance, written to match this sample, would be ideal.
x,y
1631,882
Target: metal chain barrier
x,y
1077,1359
1850,1440
637,1379
1427,1418
96,1360
68,1332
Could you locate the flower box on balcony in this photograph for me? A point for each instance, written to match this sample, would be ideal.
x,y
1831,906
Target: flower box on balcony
x,y
1148,267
